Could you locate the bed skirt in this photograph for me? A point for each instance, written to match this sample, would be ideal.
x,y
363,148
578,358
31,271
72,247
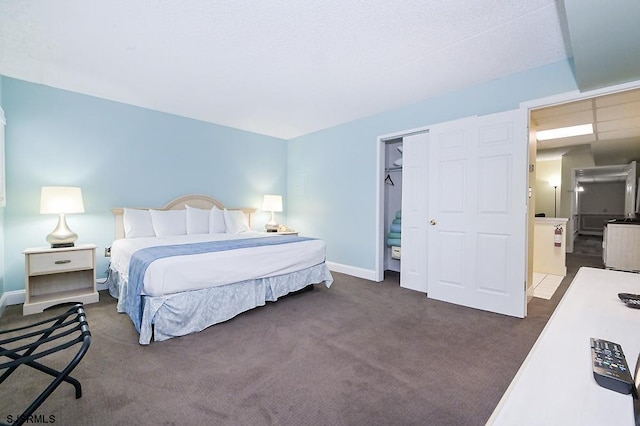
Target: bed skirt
x,y
164,317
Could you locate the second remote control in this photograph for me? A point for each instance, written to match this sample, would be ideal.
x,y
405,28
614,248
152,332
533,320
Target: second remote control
x,y
610,367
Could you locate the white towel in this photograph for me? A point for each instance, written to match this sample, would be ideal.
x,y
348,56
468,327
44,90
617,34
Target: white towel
x,y
398,162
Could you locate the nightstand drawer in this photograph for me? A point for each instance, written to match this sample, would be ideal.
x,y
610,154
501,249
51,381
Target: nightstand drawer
x,y
46,263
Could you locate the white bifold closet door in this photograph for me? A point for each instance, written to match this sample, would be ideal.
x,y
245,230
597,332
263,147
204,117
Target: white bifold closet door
x,y
464,212
413,267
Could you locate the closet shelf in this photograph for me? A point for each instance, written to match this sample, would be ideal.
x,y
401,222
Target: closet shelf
x,y
393,169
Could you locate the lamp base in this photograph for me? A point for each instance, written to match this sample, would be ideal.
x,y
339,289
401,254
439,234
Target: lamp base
x,y
271,225
62,236
62,245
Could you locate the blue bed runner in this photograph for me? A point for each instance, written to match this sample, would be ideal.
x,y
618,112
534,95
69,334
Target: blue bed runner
x,y
141,259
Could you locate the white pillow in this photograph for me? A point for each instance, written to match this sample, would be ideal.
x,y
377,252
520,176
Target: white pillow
x,y
236,221
216,221
137,223
169,222
197,220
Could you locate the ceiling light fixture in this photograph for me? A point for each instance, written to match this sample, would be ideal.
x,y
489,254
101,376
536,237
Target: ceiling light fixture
x,y
565,132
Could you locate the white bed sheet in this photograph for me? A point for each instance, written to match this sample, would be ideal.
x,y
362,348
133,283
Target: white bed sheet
x,y
182,273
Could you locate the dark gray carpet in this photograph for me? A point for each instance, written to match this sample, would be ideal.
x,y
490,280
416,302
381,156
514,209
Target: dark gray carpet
x,y
588,245
357,353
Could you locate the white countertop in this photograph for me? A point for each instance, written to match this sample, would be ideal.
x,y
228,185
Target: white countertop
x,y
555,384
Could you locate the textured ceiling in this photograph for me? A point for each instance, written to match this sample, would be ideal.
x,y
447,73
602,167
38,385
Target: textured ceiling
x,y
281,68
616,123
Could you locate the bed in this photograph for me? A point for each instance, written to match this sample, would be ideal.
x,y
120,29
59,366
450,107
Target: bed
x,y
193,263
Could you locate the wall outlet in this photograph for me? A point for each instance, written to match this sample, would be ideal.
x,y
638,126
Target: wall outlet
x,y
107,252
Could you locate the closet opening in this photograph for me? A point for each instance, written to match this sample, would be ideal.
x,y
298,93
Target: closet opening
x,y
389,184
392,205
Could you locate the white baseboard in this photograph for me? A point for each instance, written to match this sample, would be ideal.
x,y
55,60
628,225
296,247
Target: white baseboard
x,y
367,274
101,284
12,298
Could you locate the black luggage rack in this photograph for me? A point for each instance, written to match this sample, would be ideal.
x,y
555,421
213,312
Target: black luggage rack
x,y
32,342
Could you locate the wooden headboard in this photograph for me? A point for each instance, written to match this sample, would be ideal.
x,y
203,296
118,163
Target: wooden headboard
x,y
197,201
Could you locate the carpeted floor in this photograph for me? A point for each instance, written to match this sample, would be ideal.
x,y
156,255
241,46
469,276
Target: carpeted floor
x,y
588,245
357,353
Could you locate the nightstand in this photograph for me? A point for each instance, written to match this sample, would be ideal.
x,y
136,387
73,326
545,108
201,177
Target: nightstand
x,y
60,275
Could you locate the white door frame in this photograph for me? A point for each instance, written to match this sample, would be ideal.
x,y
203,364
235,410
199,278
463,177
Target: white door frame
x,y
381,155
575,95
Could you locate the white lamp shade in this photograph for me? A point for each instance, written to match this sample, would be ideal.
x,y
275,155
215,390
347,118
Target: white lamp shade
x,y
61,199
272,203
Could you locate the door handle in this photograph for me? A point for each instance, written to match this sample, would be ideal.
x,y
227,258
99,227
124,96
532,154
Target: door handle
x,y
432,221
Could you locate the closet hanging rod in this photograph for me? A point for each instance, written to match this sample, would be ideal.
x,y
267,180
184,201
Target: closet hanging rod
x,y
393,169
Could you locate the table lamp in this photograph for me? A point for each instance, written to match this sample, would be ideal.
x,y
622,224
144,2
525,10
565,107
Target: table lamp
x,y
272,203
61,200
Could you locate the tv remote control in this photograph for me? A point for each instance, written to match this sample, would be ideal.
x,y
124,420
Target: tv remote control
x,y
610,367
631,300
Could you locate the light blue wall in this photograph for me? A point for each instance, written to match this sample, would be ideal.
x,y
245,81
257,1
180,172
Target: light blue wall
x,y
127,156
119,155
332,173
